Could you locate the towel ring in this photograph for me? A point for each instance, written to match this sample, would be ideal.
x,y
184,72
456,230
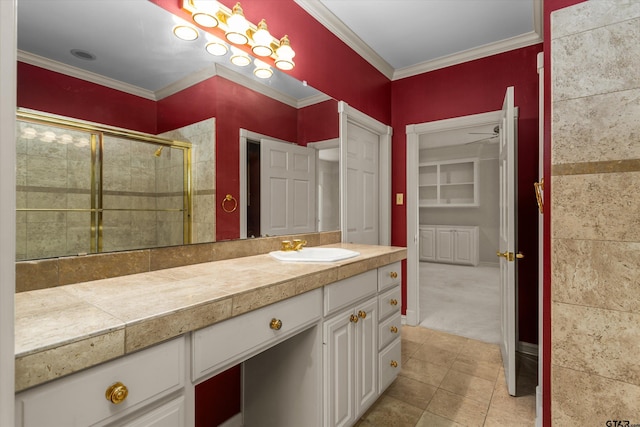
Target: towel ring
x,y
228,201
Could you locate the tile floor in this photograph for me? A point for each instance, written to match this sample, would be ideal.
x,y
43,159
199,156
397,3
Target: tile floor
x,y
448,380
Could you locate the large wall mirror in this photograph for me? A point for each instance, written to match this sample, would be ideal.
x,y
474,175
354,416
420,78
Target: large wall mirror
x,y
117,66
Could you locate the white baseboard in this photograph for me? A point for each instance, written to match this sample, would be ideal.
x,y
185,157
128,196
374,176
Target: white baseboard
x,y
410,318
235,421
538,406
528,348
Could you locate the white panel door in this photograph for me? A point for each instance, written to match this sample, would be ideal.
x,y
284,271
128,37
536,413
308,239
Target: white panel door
x,y
507,241
287,188
362,185
339,374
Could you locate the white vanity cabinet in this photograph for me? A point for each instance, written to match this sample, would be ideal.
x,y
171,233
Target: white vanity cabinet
x,y
350,337
144,388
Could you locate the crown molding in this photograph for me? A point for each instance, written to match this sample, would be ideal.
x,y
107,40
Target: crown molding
x,y
312,100
59,67
188,81
323,15
502,46
173,88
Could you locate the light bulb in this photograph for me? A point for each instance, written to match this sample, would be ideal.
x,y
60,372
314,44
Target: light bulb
x,y
262,40
205,13
184,32
238,26
262,70
284,55
239,57
215,46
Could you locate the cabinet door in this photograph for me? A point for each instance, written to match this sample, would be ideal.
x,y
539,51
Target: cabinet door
x,y
339,375
366,363
427,244
444,245
464,244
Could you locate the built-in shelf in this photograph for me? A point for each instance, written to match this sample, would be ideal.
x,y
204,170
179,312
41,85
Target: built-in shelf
x,y
450,183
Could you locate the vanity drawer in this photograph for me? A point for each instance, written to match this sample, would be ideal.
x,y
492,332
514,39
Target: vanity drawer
x,y
389,330
390,302
227,343
345,292
389,275
389,364
80,399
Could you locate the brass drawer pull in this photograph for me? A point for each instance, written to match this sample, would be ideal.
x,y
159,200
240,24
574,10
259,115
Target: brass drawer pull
x,y
394,364
275,324
362,314
353,318
394,329
393,301
393,275
117,393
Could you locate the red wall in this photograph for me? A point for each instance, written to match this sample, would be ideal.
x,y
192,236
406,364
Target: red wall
x,y
56,93
470,88
318,122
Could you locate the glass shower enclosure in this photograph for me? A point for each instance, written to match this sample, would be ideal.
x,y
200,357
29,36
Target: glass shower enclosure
x,y
84,188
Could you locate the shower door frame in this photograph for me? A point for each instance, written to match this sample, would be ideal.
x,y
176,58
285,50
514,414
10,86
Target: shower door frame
x,y
97,133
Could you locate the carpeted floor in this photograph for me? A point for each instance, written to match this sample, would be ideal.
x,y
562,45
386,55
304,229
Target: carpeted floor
x,y
461,300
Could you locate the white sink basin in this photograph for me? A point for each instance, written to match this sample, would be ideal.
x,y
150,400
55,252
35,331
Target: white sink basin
x,y
314,255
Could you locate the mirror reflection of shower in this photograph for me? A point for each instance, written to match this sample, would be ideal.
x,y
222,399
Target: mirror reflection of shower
x,y
85,189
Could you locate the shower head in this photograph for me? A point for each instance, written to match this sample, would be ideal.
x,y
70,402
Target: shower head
x,y
158,151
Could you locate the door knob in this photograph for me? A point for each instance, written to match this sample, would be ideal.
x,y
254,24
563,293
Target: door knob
x,y
519,255
506,255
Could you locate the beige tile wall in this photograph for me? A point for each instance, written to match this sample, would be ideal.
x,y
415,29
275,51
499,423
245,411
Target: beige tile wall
x,y
596,213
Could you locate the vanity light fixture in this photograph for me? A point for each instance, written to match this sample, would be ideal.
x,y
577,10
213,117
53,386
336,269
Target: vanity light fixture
x,y
239,57
185,32
237,30
262,70
237,26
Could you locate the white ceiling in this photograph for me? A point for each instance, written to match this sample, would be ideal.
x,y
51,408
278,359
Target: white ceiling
x,y
407,37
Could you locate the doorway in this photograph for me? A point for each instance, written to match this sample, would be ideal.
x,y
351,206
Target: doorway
x,y
439,143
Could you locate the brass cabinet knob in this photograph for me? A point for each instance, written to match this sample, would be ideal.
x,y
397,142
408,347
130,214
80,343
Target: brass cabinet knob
x,y
275,324
354,318
362,314
117,393
394,329
394,364
393,275
393,301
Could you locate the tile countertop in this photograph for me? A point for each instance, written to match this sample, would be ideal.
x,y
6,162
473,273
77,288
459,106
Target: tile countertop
x,y
62,330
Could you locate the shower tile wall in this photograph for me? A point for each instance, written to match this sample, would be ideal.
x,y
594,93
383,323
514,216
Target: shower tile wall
x,y
53,172
596,213
134,178
202,137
